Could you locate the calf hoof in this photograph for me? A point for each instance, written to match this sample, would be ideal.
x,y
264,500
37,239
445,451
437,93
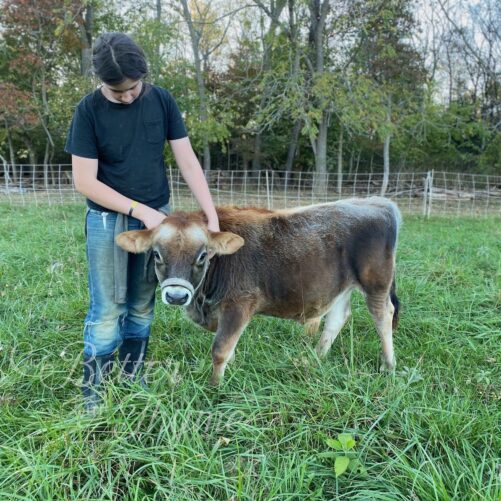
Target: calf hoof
x,y
215,381
311,327
387,366
321,351
218,369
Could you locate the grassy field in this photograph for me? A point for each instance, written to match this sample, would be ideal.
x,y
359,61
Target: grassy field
x,y
432,431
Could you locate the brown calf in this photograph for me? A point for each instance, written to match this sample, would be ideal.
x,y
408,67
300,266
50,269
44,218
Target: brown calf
x,y
301,264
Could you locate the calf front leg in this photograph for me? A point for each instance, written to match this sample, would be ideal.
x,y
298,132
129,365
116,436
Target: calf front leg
x,y
232,322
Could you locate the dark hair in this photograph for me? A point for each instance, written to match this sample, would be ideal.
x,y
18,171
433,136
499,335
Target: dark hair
x,y
116,57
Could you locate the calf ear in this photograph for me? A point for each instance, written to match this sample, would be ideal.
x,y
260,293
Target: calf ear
x,y
224,242
135,241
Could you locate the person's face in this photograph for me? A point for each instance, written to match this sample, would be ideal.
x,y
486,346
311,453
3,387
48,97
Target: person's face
x,y
123,93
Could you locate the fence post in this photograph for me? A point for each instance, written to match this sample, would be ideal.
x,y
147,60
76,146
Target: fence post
x,y
425,193
218,189
428,194
299,189
474,205
488,196
268,201
245,186
286,185
7,177
6,174
231,187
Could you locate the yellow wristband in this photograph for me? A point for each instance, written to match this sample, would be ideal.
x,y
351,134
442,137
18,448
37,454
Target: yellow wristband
x,y
133,205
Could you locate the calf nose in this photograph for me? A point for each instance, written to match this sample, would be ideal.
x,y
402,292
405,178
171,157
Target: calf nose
x,y
176,296
175,299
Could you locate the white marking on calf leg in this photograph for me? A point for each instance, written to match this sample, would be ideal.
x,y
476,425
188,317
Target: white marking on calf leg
x,y
334,322
382,311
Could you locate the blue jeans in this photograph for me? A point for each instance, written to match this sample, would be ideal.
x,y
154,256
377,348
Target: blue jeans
x,y
107,322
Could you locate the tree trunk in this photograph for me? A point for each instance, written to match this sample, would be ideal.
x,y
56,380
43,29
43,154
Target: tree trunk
x,y
44,119
386,151
207,161
320,181
157,65
245,160
5,172
356,167
195,36
340,162
291,153
386,164
350,164
256,154
46,166
86,28
296,130
12,153
318,15
273,13
31,149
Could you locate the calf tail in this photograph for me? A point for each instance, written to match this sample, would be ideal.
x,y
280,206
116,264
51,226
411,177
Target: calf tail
x,y
396,304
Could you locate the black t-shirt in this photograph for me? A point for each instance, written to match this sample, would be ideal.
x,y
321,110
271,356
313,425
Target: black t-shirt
x,y
128,142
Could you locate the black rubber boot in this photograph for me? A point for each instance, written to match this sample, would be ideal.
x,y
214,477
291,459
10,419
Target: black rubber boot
x,y
96,369
131,355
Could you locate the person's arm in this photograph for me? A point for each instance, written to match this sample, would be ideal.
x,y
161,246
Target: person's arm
x,y
86,183
193,175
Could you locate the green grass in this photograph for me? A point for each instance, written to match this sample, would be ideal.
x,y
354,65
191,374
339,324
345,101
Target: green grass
x,y
430,432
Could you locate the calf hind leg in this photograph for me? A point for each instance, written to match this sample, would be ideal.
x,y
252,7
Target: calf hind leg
x,y
382,310
334,322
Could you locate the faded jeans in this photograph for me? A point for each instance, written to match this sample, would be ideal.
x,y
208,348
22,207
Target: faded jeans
x,y
108,323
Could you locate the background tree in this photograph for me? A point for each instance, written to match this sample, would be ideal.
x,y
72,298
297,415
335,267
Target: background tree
x,y
284,84
385,53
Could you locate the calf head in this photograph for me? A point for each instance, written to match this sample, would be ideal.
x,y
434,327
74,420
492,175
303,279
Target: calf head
x,y
182,247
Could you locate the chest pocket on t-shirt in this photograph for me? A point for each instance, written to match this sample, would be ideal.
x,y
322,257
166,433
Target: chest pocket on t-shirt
x,y
154,131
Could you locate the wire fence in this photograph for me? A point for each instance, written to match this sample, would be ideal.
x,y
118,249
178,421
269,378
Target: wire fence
x,y
427,193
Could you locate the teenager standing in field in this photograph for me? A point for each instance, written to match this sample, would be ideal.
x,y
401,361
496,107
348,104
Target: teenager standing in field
x,y
117,140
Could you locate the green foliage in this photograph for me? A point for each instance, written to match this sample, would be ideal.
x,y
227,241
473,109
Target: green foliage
x,y
62,104
152,36
490,159
373,83
178,78
346,458
434,136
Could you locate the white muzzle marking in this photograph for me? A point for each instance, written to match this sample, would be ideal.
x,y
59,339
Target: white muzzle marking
x,y
178,290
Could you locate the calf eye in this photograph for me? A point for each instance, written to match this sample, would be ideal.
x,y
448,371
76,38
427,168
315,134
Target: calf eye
x,y
156,255
201,259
